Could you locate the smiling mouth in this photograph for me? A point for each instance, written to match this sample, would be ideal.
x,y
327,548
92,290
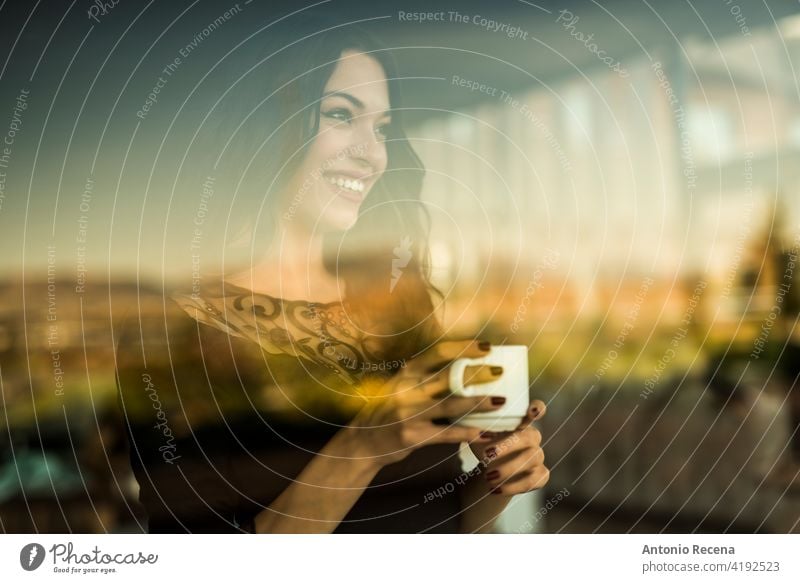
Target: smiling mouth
x,y
350,188
351,184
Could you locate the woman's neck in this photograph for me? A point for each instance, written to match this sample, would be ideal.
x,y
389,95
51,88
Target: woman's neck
x,y
292,268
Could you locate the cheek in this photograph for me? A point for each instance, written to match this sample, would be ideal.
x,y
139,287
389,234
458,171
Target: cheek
x,y
326,147
383,161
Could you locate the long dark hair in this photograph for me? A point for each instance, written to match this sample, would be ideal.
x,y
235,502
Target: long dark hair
x,y
265,124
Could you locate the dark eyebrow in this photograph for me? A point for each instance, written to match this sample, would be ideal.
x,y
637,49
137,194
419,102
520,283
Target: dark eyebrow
x,y
351,98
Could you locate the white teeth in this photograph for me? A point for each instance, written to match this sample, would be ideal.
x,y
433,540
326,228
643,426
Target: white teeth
x,y
351,184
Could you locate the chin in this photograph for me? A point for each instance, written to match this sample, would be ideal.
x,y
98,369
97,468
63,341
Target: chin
x,y
341,221
340,215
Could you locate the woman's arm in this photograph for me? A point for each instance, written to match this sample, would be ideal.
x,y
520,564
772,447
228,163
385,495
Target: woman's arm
x,y
385,431
324,492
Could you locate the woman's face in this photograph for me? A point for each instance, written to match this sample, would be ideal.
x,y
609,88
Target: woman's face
x,y
348,155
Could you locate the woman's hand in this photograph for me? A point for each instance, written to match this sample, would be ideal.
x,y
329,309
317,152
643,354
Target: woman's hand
x,y
515,460
401,416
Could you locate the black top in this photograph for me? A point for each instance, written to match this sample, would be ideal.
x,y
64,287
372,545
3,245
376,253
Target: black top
x,y
220,419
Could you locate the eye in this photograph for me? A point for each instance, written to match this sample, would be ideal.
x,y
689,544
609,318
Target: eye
x,y
340,114
383,130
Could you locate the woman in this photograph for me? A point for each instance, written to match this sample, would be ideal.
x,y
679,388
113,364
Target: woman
x,y
308,392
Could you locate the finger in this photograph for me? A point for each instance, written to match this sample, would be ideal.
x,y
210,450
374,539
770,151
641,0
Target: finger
x,y
420,388
443,353
505,444
477,374
538,409
524,483
453,407
511,467
453,434
437,385
535,411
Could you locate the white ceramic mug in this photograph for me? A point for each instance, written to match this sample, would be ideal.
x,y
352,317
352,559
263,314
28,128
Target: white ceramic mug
x,y
512,384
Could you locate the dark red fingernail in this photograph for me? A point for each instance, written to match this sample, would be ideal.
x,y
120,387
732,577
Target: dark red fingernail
x,y
485,345
497,370
535,411
487,435
491,452
497,490
498,400
493,474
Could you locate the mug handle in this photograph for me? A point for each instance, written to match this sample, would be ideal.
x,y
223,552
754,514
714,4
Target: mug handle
x,y
457,369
